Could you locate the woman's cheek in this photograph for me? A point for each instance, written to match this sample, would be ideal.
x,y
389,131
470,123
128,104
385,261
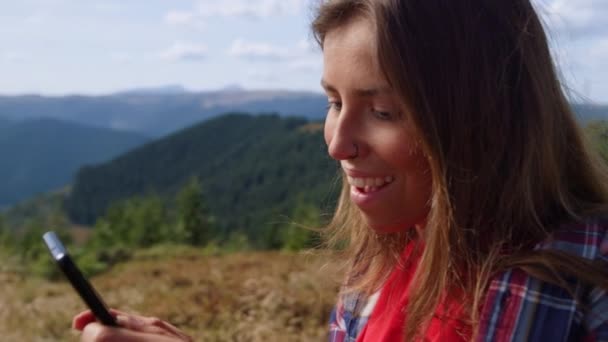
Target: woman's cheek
x,y
328,130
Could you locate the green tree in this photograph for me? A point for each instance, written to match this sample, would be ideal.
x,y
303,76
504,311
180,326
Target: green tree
x,y
236,242
113,229
56,219
30,244
34,253
300,233
5,236
193,219
148,219
597,134
136,222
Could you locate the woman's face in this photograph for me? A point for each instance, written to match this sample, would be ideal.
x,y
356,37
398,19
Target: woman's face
x,y
369,132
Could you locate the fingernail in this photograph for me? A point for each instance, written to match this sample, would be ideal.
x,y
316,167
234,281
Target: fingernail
x,y
122,320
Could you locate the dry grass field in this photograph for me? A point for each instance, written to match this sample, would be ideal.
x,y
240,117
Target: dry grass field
x,y
254,296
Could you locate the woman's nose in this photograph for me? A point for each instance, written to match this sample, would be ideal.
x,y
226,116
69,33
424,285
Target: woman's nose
x,y
343,151
340,137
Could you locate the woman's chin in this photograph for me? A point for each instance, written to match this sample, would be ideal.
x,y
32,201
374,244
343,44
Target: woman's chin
x,y
386,227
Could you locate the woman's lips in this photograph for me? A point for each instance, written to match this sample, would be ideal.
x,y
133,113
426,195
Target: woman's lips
x,y
366,187
366,196
370,182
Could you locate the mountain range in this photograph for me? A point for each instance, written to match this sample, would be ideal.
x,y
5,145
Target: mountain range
x,y
157,112
45,140
39,155
587,112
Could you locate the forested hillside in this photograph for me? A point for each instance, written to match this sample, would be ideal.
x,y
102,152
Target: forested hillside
x,y
255,171
44,154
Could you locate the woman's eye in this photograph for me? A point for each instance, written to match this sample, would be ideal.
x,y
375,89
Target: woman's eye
x,y
334,105
383,115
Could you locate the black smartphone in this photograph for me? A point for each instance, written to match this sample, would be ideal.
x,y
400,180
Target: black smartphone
x,y
77,279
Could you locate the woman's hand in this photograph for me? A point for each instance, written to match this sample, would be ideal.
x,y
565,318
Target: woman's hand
x,y
132,328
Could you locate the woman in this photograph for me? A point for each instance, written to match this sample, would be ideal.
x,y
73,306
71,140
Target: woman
x,y
471,207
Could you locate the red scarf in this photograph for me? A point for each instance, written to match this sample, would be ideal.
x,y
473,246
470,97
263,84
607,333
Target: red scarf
x,y
388,316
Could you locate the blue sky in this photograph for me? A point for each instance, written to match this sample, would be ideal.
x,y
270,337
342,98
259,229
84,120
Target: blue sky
x,y
57,47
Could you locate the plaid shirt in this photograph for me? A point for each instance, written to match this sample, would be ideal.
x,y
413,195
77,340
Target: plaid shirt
x,y
519,307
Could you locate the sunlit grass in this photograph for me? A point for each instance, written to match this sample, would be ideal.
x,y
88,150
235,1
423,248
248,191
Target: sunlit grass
x,y
252,296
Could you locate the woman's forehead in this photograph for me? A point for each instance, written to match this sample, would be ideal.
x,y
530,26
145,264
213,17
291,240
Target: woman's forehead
x,y
350,57
353,33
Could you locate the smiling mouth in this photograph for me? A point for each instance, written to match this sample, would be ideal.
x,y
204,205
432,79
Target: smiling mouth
x,y
370,184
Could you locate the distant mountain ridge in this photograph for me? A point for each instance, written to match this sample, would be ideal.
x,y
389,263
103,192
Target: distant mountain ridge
x,y
587,112
161,110
39,155
157,112
154,111
171,89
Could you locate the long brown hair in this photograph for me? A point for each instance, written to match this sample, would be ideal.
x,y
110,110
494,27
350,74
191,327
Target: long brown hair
x,y
508,160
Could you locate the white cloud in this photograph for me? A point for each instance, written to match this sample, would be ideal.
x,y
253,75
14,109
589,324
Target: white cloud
x,y
270,52
583,65
185,18
262,76
306,65
578,33
121,57
251,8
302,57
254,9
179,17
185,52
35,19
257,51
575,17
109,6
599,51
308,46
13,57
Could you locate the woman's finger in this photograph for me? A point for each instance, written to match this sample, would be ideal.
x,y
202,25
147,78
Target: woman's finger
x,y
96,332
150,325
82,319
115,312
136,323
167,326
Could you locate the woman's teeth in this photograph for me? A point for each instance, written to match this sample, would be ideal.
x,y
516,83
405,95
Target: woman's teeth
x,y
370,184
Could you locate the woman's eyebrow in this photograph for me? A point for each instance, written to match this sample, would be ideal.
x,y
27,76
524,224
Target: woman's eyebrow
x,y
373,91
364,92
328,87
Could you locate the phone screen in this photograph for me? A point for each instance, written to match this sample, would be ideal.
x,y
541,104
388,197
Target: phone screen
x,y
77,279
